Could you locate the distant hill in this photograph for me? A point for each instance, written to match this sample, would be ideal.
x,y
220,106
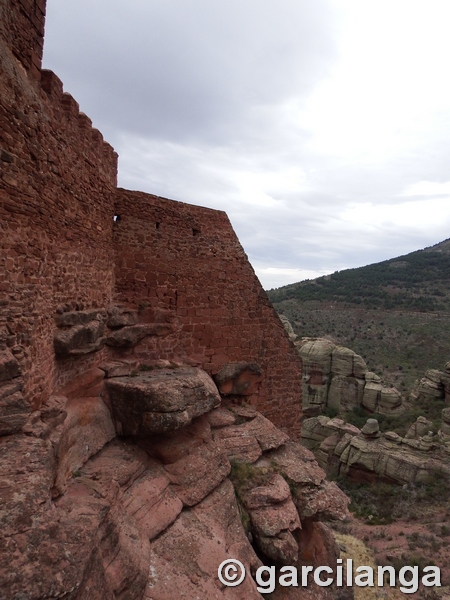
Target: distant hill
x,y
419,281
395,313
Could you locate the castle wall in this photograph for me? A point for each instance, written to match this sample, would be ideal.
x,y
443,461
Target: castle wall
x,y
59,245
22,27
187,261
57,181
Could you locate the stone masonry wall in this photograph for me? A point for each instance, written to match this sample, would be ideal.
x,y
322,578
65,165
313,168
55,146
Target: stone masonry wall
x,y
57,181
22,26
175,262
185,263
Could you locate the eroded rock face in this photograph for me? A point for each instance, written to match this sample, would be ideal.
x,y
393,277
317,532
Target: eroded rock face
x,y
153,516
336,377
162,400
14,409
79,339
367,454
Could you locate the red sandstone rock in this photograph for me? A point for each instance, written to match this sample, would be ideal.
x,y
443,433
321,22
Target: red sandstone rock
x,y
87,385
221,417
151,502
272,519
79,339
162,400
14,409
86,429
185,558
282,549
121,317
194,476
9,366
246,442
274,491
239,379
172,447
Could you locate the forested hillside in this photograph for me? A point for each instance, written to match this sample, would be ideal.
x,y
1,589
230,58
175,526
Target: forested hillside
x,y
394,313
419,281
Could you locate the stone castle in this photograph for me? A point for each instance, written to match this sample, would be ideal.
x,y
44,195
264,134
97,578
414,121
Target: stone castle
x,y
147,386
71,241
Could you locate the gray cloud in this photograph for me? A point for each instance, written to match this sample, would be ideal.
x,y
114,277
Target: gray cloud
x,y
261,110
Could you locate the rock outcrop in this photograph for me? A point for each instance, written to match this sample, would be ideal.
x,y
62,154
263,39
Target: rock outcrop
x,y
435,385
99,503
337,378
367,454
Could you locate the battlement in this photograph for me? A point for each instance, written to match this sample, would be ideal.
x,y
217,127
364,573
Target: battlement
x,y
66,106
61,251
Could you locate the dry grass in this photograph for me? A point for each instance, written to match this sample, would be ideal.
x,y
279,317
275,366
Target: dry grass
x,y
362,555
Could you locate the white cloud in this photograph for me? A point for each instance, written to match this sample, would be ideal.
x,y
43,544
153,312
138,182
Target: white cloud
x,y
322,128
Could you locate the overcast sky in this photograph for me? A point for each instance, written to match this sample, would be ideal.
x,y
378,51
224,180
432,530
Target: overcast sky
x,y
322,127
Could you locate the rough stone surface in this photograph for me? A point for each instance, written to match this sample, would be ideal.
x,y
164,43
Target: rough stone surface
x,y
369,455
79,339
131,335
337,378
247,441
86,429
240,379
161,400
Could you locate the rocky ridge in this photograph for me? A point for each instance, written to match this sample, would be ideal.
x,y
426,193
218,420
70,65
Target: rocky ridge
x,y
367,454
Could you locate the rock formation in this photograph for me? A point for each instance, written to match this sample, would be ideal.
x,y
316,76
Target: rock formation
x,y
366,454
90,513
126,473
435,385
337,378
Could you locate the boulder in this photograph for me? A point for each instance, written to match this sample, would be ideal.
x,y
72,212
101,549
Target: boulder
x,y
289,329
371,395
247,441
371,429
347,363
282,549
445,424
316,356
160,401
274,491
390,401
79,339
272,519
121,317
418,429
